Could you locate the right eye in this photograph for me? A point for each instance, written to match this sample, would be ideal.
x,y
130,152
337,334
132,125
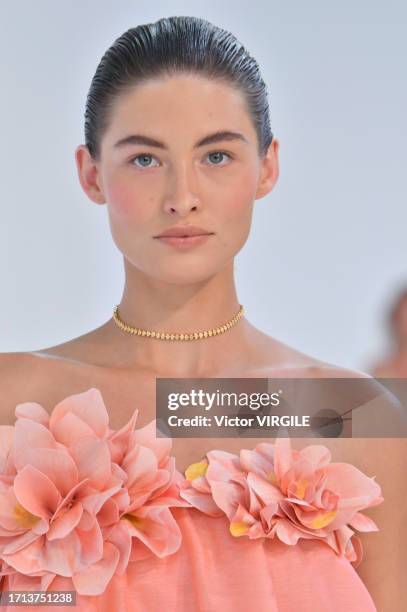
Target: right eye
x,y
144,157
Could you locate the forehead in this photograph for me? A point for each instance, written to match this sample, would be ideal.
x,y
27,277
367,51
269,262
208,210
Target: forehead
x,y
186,105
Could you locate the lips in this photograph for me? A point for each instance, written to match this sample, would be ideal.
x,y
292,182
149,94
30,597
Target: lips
x,y
184,231
184,242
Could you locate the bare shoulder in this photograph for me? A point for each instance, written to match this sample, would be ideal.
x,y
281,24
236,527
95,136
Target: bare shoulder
x,y
278,357
18,373
33,377
17,368
375,405
281,359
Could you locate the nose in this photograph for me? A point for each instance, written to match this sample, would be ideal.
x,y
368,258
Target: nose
x,y
182,208
181,199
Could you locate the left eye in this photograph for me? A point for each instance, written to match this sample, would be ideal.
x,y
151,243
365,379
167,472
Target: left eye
x,y
219,153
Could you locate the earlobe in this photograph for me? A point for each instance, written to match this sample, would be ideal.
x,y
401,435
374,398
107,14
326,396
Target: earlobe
x,y
88,174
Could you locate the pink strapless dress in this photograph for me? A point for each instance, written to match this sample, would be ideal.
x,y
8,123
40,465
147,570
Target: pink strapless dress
x,y
106,514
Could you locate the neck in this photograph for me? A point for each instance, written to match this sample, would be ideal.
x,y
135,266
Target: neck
x,y
178,308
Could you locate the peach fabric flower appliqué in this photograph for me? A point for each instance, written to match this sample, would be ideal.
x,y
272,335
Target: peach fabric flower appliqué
x,y
80,500
274,490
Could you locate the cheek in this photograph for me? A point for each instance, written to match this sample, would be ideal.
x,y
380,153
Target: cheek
x,y
130,214
237,205
123,201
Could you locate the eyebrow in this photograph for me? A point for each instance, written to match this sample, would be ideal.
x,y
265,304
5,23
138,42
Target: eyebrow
x,y
140,139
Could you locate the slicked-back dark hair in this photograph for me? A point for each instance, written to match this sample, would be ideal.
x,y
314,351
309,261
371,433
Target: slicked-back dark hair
x,y
170,46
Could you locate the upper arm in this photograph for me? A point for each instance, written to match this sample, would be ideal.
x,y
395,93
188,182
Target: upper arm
x,y
385,552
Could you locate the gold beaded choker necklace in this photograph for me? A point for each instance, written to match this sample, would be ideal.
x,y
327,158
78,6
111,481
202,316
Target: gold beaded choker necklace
x,y
171,336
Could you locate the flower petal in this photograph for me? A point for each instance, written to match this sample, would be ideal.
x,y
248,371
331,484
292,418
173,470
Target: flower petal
x,y
140,464
65,522
25,559
92,458
121,538
33,411
316,454
156,528
119,440
201,501
6,443
355,489
57,464
146,436
94,579
69,428
361,522
89,406
36,493
30,434
61,556
265,491
257,462
91,542
283,459
8,519
93,502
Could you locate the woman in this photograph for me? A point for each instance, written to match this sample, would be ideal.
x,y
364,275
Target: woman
x,y
178,140
394,364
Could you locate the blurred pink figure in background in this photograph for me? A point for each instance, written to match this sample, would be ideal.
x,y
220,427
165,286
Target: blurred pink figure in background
x,y
394,364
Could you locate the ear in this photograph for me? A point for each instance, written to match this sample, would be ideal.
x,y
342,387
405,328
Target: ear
x,y
88,172
269,170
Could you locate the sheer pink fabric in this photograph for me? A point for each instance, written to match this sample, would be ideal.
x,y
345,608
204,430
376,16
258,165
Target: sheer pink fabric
x,y
213,571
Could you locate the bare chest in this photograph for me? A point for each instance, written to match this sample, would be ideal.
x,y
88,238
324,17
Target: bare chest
x,y
122,394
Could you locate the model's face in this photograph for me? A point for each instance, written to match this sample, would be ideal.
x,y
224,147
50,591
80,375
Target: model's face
x,y
149,189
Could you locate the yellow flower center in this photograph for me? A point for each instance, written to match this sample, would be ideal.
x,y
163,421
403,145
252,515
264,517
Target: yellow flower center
x,y
196,469
23,517
137,521
272,477
301,486
324,519
238,528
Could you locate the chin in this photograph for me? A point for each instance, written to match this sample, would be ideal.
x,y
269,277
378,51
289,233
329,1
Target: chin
x,y
184,275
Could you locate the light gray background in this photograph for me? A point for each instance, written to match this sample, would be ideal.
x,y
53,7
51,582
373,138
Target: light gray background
x,y
327,249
